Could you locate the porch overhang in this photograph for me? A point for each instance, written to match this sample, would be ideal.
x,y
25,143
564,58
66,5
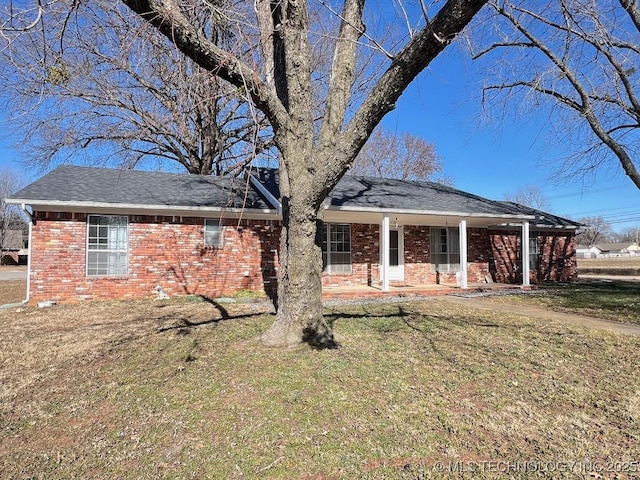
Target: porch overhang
x,y
372,216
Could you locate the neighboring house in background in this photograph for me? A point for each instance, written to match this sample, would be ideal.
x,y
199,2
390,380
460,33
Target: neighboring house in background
x,y
105,234
13,248
633,248
617,249
587,251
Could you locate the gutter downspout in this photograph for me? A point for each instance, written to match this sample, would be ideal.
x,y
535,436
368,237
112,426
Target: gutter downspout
x,y
30,215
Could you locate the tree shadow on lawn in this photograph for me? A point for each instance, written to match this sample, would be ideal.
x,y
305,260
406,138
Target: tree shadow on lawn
x,y
601,286
481,338
183,325
381,319
410,318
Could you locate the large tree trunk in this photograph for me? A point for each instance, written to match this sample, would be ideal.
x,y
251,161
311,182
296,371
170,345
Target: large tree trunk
x,y
311,162
299,317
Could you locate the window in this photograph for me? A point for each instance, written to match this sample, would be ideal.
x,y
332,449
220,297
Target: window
x,y
394,248
107,245
336,248
445,249
533,252
212,233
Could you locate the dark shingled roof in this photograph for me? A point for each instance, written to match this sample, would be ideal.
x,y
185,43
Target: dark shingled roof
x,y
134,187
82,185
372,192
358,192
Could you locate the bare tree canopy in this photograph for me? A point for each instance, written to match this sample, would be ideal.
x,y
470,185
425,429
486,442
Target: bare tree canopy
x,y
320,113
530,196
578,59
629,234
405,157
596,230
98,80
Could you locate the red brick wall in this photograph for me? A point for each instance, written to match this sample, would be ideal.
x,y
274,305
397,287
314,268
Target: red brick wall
x,y
417,266
506,266
365,258
170,253
161,252
556,258
478,255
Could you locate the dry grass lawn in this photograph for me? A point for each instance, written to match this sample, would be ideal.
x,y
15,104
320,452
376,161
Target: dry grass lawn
x,y
12,291
617,300
170,390
612,262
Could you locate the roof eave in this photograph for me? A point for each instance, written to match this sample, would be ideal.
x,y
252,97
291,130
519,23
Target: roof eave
x,y
540,226
137,209
428,212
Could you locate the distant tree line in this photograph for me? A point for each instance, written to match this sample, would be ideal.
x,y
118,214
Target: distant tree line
x,y
598,230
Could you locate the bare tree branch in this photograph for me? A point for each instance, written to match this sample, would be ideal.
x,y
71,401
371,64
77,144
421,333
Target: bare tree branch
x,y
583,56
129,97
167,17
404,157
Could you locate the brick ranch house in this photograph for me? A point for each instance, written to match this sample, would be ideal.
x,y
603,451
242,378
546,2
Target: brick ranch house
x,y
99,233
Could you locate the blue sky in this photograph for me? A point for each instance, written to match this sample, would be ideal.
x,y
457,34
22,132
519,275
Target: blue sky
x,y
493,160
442,107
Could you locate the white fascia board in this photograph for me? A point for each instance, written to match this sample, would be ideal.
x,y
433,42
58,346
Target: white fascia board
x,y
428,212
134,209
538,226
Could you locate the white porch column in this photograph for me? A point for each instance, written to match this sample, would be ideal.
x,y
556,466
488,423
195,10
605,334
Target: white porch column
x,y
525,254
384,245
463,254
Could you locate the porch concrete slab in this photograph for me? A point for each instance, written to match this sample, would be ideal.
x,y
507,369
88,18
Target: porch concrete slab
x,y
365,292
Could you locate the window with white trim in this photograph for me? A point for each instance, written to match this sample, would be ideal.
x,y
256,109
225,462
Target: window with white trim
x,y
445,249
336,248
107,245
212,233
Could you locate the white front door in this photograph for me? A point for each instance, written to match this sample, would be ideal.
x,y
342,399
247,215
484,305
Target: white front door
x,y
396,254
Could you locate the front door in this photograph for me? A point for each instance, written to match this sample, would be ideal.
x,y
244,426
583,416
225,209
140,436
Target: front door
x,y
396,254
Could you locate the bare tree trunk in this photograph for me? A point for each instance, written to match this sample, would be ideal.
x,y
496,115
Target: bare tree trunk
x,y
300,316
311,162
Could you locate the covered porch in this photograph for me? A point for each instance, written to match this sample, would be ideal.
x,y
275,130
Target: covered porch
x,y
420,252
